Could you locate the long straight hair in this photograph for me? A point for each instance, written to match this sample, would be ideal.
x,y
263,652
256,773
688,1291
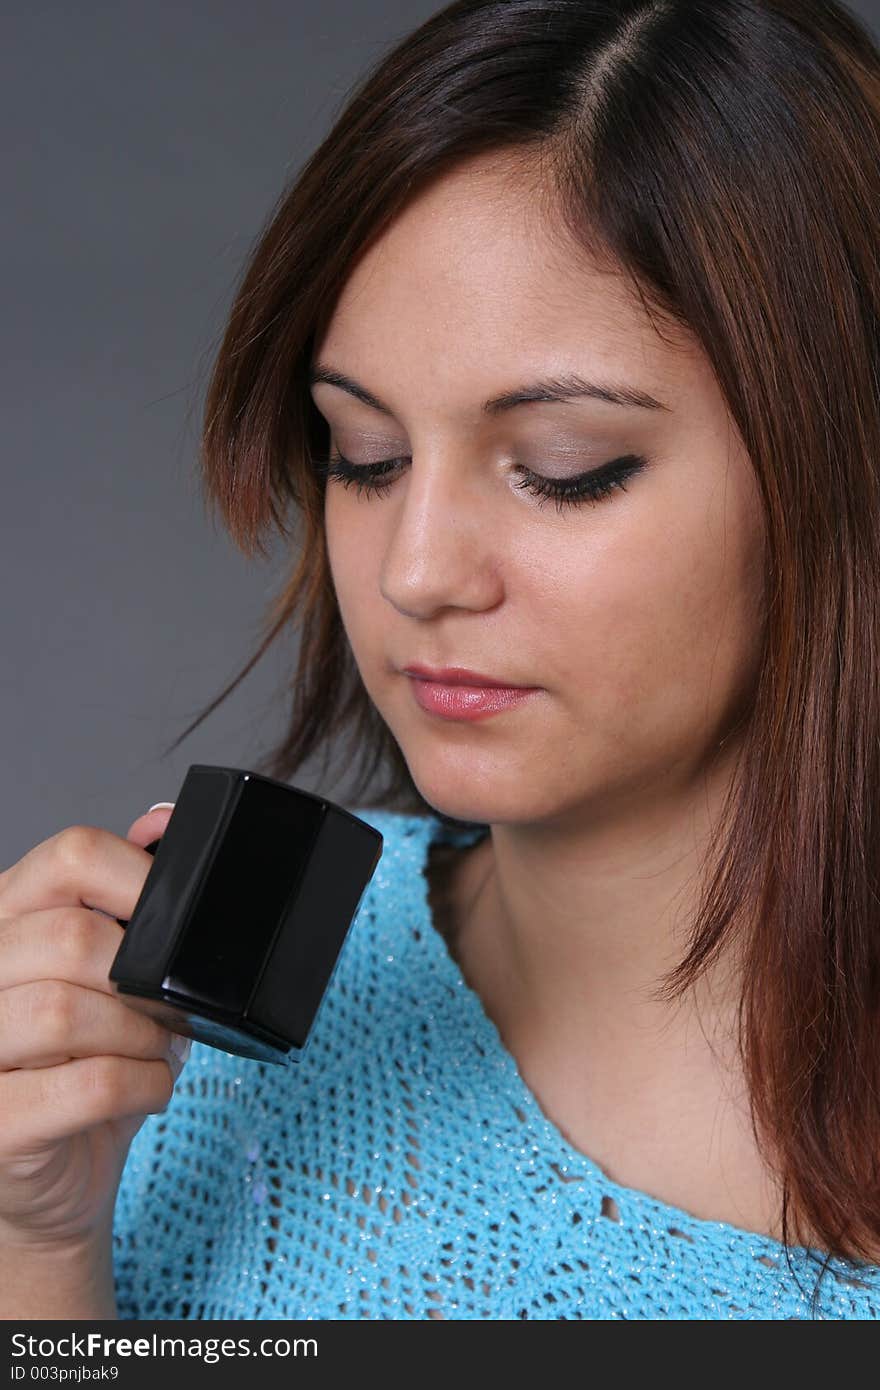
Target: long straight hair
x,y
725,155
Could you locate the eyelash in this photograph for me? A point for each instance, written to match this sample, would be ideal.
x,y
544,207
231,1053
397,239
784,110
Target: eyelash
x,y
589,487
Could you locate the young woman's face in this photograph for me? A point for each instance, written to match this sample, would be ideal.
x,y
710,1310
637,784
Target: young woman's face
x,y
636,615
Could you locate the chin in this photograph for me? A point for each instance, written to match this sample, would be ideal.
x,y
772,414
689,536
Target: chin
x,y
475,797
463,774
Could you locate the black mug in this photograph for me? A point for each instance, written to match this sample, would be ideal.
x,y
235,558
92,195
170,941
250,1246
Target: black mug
x,y
239,927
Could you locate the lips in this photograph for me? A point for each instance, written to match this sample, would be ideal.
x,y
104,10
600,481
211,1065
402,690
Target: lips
x,y
458,701
460,675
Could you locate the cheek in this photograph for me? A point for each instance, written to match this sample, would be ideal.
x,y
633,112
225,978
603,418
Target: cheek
x,y
653,630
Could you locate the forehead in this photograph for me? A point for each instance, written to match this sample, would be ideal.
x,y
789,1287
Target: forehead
x,y
477,283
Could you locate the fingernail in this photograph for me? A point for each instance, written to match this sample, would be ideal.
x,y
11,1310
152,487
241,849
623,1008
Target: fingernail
x,y
162,806
180,1049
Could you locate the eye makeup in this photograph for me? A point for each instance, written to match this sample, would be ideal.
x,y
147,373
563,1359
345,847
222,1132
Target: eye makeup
x,y
590,487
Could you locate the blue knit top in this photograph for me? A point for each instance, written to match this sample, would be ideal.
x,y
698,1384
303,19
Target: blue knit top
x,y
403,1169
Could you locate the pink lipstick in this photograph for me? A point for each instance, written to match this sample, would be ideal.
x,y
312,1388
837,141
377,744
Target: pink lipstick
x,y
454,692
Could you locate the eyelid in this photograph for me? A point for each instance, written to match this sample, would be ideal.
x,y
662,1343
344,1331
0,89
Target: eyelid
x,y
391,461
584,488
579,458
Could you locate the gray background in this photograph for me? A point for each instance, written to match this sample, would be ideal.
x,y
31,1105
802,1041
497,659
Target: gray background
x,y
143,148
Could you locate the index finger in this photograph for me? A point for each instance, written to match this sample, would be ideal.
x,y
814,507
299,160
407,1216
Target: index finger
x,y
149,827
83,866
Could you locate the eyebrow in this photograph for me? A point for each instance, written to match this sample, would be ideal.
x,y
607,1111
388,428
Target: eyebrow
x,y
565,388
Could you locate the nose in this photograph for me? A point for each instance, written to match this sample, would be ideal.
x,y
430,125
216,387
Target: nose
x,y
444,545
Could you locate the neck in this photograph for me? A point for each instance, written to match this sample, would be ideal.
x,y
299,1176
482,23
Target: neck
x,y
567,930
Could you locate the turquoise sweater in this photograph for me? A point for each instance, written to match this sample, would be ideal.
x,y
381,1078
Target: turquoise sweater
x,y
404,1170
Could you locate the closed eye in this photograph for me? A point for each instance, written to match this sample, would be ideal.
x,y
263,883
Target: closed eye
x,y
371,479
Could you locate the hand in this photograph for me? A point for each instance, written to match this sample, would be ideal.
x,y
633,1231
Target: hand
x,y
79,1069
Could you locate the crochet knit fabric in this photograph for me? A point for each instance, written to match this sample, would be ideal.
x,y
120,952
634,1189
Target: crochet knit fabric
x,y
403,1169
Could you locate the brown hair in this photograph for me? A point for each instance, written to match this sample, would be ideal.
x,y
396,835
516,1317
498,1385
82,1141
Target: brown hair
x,y
726,155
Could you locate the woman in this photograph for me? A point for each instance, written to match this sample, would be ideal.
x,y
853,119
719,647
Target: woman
x,y
563,348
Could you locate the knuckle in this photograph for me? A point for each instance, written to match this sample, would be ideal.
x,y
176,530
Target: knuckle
x,y
76,936
8,1131
7,878
52,1008
76,845
14,935
8,1025
104,1083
